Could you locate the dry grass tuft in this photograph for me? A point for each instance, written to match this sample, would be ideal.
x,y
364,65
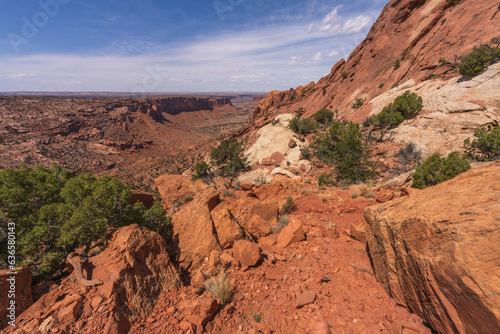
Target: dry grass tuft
x,y
220,287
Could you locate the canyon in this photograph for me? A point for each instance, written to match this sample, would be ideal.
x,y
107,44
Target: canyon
x,y
126,137
295,255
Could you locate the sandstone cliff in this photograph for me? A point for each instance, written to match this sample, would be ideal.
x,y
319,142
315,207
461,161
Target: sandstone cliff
x,y
437,251
417,33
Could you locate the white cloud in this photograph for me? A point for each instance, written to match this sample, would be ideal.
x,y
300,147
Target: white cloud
x,y
318,58
259,59
17,76
294,60
333,23
357,24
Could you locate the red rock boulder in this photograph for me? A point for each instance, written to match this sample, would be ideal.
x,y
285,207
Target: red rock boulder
x,y
247,253
437,251
193,227
174,189
290,234
134,269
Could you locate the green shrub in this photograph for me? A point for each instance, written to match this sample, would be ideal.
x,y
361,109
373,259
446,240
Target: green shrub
x,y
404,107
305,153
343,146
486,146
55,212
443,61
325,180
288,206
437,169
396,64
475,62
228,157
202,171
358,103
409,154
323,116
302,126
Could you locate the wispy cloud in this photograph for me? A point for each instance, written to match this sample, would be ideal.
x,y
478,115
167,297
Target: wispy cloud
x,y
333,23
276,56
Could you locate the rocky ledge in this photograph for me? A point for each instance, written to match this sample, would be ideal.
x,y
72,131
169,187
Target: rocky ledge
x,y
437,251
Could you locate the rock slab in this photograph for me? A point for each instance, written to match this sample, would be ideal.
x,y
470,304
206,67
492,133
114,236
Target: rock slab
x,y
437,251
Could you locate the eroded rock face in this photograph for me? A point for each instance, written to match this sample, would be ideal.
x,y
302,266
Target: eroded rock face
x,y
437,251
175,189
134,269
417,33
193,227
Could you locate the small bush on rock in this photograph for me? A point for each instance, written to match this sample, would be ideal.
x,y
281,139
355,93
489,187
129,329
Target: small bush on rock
x,y
323,116
358,103
342,145
305,153
325,180
437,169
404,107
486,146
288,206
302,126
409,154
475,62
228,157
202,171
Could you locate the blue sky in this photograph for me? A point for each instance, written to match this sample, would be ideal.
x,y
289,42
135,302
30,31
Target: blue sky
x,y
176,46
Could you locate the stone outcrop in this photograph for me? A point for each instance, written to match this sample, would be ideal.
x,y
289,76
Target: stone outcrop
x,y
437,251
134,269
193,227
272,145
76,263
175,189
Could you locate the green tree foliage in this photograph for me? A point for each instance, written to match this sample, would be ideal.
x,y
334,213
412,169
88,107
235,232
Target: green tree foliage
x,y
302,126
325,180
358,103
436,169
55,212
228,156
404,107
343,146
475,62
202,171
486,146
323,116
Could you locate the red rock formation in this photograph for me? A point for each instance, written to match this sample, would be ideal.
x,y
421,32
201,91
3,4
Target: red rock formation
x,y
437,251
416,32
134,269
